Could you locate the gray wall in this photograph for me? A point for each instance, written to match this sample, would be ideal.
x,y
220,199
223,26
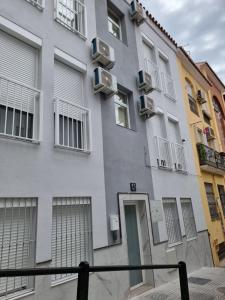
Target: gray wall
x,y
43,171
125,150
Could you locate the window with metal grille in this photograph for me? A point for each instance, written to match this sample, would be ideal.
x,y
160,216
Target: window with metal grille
x,y
17,242
172,220
71,233
72,14
222,197
211,201
188,217
40,4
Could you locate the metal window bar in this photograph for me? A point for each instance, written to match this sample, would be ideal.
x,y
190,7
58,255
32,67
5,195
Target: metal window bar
x,y
188,217
40,4
163,149
19,110
168,85
222,197
153,69
72,14
211,201
71,233
72,126
193,105
179,157
172,221
18,238
84,269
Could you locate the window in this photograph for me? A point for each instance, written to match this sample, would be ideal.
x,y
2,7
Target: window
x,y
206,118
192,101
17,240
222,197
188,217
19,99
211,201
71,233
122,110
72,14
72,119
114,25
167,79
172,221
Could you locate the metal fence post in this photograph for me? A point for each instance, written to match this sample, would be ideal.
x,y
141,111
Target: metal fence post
x,y
83,281
183,281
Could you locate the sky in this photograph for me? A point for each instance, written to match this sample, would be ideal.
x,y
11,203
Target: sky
x,y
197,25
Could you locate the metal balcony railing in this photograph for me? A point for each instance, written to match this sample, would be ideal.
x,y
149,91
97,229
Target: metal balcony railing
x,y
168,85
20,110
179,157
40,4
152,68
71,14
72,126
210,157
164,156
84,270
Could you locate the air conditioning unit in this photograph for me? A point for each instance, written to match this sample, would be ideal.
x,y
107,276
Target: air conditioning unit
x,y
179,167
146,106
104,82
103,53
162,163
145,82
200,97
137,12
209,132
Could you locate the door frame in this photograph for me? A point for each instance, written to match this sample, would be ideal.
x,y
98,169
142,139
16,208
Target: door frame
x,y
134,199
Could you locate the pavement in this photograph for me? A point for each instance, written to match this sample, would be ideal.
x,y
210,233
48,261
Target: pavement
x,y
204,284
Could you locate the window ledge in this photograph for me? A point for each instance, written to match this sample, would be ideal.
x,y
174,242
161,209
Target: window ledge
x,y
21,139
72,149
175,244
170,97
20,294
64,280
191,239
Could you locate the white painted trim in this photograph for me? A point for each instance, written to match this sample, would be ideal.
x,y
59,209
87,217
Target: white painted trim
x,y
163,55
172,118
20,33
159,110
70,60
147,40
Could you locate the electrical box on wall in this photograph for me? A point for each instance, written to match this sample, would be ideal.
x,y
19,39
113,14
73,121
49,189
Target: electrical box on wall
x,y
114,222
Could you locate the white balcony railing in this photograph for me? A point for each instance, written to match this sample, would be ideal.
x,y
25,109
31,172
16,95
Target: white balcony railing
x,y
71,14
72,126
20,110
168,85
153,69
40,4
163,149
179,157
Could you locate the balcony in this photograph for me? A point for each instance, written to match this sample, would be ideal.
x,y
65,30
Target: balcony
x,y
210,160
72,126
72,15
20,110
168,86
170,155
152,68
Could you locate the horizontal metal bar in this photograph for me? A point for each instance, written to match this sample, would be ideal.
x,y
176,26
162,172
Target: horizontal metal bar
x,y
73,104
19,83
71,270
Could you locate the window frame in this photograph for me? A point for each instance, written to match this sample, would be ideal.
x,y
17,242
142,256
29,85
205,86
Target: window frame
x,y
211,202
179,241
123,105
222,197
185,200
118,25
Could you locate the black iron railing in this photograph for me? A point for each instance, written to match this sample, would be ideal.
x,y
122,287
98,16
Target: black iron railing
x,y
209,156
84,270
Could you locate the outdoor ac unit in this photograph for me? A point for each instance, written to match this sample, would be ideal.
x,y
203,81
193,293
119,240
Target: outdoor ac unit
x,y
145,82
103,53
200,97
104,82
137,12
146,106
179,167
210,135
162,163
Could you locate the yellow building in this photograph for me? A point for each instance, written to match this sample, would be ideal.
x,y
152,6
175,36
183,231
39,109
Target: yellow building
x,y
207,148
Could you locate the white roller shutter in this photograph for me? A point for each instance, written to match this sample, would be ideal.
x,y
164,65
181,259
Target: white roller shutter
x,y
68,84
18,60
